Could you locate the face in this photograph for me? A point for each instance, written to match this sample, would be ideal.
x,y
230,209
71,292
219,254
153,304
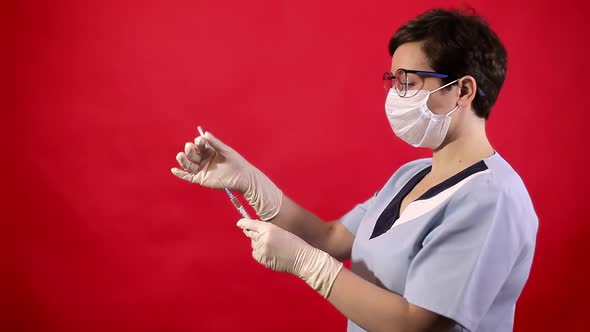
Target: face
x,y
410,56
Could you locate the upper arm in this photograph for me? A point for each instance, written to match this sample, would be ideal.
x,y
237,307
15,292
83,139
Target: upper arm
x,y
341,232
339,241
421,319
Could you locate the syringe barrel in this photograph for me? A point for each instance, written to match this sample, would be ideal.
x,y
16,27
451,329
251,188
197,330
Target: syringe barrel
x,y
236,203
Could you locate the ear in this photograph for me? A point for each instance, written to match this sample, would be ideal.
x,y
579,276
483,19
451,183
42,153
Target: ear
x,y
468,89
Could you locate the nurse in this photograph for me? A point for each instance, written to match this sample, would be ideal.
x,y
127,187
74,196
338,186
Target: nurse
x,y
447,243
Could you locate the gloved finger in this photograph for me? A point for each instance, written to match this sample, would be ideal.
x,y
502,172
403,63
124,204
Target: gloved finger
x,y
191,153
215,142
252,235
249,224
186,164
257,256
184,175
257,244
202,146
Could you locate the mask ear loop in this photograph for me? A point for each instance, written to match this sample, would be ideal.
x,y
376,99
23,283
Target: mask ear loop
x,y
451,112
444,86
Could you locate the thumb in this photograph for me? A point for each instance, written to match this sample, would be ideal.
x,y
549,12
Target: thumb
x,y
216,143
250,225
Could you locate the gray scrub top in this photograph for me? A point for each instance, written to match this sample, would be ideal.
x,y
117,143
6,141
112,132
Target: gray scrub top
x,y
463,249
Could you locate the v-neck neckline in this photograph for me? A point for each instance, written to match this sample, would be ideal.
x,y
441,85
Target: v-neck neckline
x,y
392,212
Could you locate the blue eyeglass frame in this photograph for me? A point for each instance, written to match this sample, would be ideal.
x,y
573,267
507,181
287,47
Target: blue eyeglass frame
x,y
390,76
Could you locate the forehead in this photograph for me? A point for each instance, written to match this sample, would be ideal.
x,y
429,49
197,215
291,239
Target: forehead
x,y
410,56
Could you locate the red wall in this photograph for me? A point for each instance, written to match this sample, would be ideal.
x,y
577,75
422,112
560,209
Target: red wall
x,y
97,235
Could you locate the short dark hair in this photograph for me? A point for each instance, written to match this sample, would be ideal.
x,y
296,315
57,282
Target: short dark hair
x,y
458,42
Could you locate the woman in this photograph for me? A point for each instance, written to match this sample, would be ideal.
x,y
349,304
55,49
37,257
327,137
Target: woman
x,y
447,243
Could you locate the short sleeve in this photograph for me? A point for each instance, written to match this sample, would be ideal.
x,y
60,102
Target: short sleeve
x,y
466,258
353,218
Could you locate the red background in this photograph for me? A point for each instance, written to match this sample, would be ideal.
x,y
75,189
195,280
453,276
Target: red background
x,y
98,235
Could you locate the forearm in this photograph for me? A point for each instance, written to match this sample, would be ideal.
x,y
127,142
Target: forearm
x,y
301,222
376,309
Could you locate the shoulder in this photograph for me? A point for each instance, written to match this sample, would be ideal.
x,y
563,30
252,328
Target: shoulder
x,y
499,180
500,190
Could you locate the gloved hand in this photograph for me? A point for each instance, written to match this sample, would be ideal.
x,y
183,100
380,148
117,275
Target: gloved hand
x,y
283,251
211,159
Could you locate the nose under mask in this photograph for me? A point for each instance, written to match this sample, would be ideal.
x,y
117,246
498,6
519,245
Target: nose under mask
x,y
413,122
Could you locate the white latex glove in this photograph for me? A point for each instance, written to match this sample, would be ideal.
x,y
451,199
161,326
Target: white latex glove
x,y
283,251
208,159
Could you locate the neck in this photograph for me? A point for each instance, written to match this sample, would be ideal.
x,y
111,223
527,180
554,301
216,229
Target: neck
x,y
465,149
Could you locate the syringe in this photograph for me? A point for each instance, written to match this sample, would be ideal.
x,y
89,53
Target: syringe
x,y
235,201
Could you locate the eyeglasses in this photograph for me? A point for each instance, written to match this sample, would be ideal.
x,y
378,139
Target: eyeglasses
x,y
408,82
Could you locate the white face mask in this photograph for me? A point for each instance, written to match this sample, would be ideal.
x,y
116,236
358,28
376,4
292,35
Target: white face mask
x,y
413,122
